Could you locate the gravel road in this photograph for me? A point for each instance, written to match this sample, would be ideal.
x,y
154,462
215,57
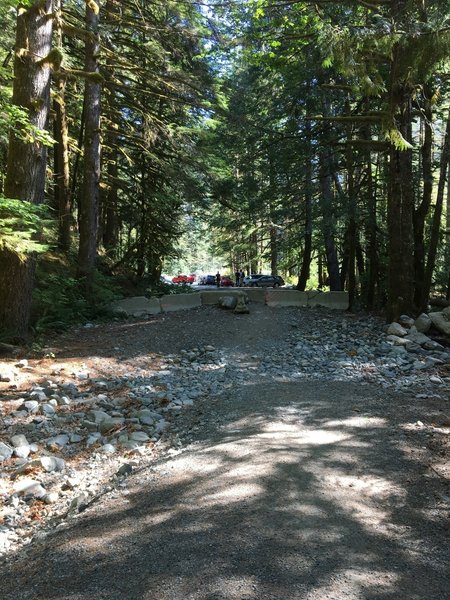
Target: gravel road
x,y
281,487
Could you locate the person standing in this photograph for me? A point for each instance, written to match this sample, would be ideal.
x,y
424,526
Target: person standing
x,y
237,277
218,279
241,278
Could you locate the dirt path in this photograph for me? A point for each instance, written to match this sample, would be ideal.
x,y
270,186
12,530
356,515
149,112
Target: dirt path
x,y
289,490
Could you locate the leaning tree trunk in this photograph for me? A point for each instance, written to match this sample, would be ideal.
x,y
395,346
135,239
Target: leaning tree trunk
x,y
90,192
25,178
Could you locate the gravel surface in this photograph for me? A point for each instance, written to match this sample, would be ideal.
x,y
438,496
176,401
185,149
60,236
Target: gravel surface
x,y
285,454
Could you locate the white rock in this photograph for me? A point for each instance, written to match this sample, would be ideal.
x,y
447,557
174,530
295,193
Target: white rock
x,y
397,340
29,487
108,449
32,406
22,451
396,329
50,463
51,498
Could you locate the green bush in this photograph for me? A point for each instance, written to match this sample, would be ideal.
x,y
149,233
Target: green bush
x,y
163,289
60,301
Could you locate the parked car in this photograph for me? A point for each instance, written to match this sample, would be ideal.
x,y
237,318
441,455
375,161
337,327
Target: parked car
x,y
208,280
165,279
183,279
226,281
249,278
267,281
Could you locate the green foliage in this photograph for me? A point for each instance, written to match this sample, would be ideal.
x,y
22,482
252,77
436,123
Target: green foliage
x,y
23,226
163,289
16,119
60,301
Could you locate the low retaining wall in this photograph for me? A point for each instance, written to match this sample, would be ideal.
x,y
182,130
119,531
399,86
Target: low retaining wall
x,y
211,297
174,302
141,306
336,300
286,298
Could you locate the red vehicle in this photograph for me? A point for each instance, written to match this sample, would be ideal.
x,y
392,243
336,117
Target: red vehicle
x,y
226,282
183,279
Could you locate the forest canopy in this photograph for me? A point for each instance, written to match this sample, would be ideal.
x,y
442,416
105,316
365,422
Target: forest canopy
x,y
306,139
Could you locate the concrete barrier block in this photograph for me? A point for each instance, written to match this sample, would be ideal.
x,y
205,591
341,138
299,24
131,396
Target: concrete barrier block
x,y
175,302
286,298
211,297
256,294
138,306
336,300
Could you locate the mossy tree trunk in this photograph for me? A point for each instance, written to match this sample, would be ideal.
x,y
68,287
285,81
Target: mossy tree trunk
x,y
89,198
26,170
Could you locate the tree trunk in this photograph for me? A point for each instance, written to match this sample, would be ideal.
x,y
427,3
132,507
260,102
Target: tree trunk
x,y
89,198
436,224
25,178
111,222
400,187
423,208
61,151
307,249
400,205
371,234
351,231
326,201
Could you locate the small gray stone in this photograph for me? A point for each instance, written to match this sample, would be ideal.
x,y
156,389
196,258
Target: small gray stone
x,y
59,440
396,329
139,436
108,449
5,451
50,464
48,410
32,406
19,440
51,498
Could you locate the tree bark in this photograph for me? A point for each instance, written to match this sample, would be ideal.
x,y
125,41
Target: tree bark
x,y
89,197
422,210
61,152
26,169
307,235
326,201
436,224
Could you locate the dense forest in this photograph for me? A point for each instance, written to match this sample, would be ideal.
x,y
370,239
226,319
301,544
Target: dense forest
x,y
308,139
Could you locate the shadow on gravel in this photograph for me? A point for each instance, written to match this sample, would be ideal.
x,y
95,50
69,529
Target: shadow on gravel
x,y
304,492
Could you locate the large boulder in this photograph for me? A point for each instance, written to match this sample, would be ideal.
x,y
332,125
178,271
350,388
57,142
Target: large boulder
x,y
441,321
422,323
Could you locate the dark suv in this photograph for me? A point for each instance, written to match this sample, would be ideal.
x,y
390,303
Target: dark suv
x,y
267,281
